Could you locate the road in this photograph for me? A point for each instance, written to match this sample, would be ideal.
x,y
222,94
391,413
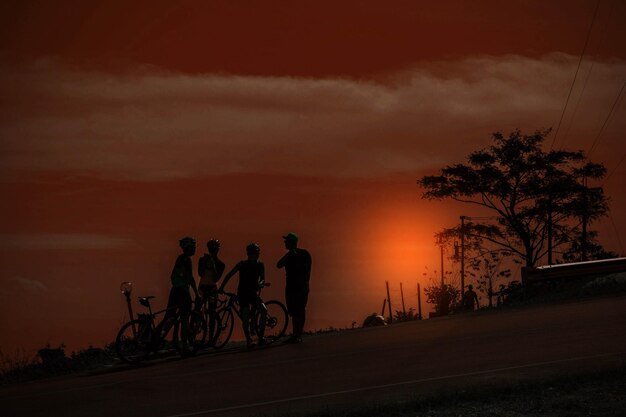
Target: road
x,y
340,370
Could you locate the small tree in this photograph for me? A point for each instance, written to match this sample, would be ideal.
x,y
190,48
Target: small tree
x,y
405,316
444,298
487,270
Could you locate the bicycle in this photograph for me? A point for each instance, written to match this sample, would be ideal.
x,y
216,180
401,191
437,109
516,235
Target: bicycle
x,y
140,337
275,323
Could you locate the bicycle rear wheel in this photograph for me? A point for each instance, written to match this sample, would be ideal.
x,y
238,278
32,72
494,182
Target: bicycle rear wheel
x,y
134,341
276,321
224,328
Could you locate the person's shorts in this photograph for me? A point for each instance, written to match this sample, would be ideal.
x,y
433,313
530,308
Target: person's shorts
x,y
180,298
296,301
248,298
209,293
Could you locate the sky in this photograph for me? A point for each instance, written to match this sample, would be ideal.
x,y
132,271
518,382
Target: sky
x,y
125,126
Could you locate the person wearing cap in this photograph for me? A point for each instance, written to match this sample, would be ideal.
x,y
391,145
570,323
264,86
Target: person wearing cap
x,y
297,263
210,270
179,300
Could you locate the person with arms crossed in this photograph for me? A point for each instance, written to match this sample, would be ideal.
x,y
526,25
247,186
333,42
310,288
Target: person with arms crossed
x,y
210,270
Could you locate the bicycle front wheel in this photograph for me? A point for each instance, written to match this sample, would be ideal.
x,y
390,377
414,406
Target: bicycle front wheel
x,y
134,341
276,321
224,328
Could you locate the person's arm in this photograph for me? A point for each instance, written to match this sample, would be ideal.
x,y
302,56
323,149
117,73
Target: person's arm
x,y
201,266
190,278
281,263
262,275
229,275
309,263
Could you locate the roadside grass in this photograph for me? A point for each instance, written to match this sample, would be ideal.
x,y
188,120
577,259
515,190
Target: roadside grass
x,y
52,361
596,393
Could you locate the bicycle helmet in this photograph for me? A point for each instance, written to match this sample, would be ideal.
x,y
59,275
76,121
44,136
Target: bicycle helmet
x,y
213,244
253,248
186,242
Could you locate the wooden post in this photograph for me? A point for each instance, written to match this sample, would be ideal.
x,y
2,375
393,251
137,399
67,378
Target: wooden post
x,y
419,302
463,255
389,303
402,296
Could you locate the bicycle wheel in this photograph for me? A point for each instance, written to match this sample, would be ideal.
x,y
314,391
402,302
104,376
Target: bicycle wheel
x,y
134,341
276,321
224,328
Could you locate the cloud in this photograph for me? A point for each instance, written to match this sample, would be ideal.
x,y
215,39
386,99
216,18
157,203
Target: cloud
x,y
31,285
163,125
61,241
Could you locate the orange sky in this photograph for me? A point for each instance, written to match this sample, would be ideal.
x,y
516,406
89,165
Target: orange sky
x,y
124,128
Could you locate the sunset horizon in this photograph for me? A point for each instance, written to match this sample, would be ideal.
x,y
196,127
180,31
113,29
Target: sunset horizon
x,y
125,127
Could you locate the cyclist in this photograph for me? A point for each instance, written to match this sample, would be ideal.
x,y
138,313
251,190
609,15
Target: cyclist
x,y
179,300
210,269
297,263
251,279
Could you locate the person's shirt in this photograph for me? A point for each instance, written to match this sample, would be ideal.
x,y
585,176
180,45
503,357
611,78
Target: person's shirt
x,y
182,275
251,275
210,269
470,298
297,263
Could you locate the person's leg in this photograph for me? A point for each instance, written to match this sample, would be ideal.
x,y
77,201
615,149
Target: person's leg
x,y
212,311
261,309
300,312
170,314
185,312
245,320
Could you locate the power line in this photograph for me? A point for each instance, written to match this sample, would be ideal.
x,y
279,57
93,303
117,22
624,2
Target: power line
x,y
614,169
619,240
593,63
595,13
606,121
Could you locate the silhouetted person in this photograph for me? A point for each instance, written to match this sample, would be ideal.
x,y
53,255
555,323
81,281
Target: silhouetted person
x,y
470,299
297,264
179,300
210,270
251,279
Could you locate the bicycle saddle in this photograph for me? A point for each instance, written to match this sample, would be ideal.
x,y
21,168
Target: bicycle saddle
x,y
145,301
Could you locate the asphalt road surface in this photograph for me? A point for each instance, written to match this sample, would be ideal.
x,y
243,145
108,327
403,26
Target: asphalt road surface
x,y
343,370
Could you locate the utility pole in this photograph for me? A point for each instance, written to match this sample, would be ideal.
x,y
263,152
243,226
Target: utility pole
x,y
583,243
441,247
402,296
389,303
550,228
463,253
419,302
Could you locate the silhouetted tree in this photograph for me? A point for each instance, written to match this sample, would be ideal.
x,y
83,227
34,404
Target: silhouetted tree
x,y
524,187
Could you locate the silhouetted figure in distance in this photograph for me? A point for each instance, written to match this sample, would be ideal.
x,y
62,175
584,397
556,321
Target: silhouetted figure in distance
x,y
210,270
251,279
297,263
179,300
470,298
